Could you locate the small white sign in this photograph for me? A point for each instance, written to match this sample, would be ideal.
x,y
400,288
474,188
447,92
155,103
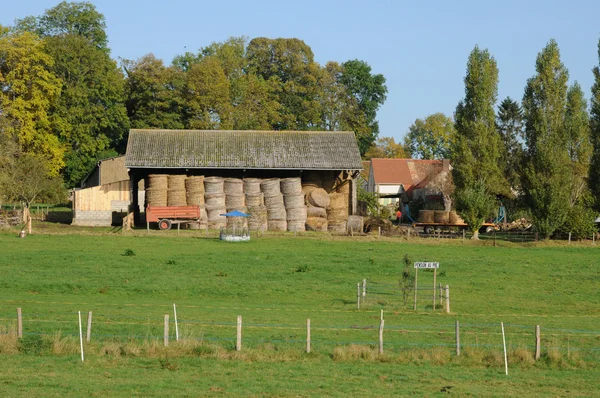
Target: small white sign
x,y
427,265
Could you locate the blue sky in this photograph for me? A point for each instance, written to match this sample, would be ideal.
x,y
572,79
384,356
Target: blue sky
x,y
421,47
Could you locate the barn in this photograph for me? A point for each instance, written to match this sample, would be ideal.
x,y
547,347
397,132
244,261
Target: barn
x,y
286,180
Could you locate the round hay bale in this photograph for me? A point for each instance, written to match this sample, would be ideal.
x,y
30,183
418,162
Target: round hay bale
x,y
238,222
296,214
308,188
216,224
213,184
337,214
276,213
255,199
156,197
252,185
338,200
316,224
176,197
243,209
274,200
194,184
270,186
194,198
259,227
318,198
355,223
176,182
291,186
233,186
454,218
312,211
157,181
296,226
235,200
214,199
426,216
293,201
337,227
441,216
257,214
277,225
215,215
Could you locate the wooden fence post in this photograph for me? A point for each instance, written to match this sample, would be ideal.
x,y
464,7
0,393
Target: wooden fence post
x,y
569,238
457,339
441,294
88,335
434,292
358,296
381,322
415,287
238,342
447,299
538,338
166,335
364,290
308,336
19,323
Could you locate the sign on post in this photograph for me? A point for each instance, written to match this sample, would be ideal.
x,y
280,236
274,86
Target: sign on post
x,y
426,265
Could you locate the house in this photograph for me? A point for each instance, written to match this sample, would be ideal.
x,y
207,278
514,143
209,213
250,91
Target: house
x,y
325,158
406,179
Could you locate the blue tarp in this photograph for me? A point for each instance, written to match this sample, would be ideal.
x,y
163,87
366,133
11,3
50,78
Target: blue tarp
x,y
235,213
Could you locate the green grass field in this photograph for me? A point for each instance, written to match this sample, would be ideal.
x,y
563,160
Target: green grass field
x,y
275,283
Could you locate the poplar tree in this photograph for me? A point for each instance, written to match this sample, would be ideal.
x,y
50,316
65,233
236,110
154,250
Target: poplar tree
x,y
594,177
476,147
546,174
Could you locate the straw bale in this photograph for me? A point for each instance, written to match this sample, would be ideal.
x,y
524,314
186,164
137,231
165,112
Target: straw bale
x,y
275,200
216,224
255,199
215,199
441,216
318,198
213,184
344,187
233,186
337,227
258,218
312,211
157,181
235,200
252,185
215,214
270,186
276,213
176,197
338,200
176,182
296,226
426,216
308,188
296,214
355,223
293,201
291,186
194,184
194,198
337,214
156,197
454,218
238,222
277,225
316,224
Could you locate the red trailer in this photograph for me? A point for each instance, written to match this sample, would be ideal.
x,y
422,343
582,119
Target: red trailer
x,y
165,216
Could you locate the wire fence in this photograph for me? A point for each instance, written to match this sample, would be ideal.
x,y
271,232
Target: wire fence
x,y
323,335
508,236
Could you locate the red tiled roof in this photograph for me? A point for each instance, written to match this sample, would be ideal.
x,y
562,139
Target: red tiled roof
x,y
411,173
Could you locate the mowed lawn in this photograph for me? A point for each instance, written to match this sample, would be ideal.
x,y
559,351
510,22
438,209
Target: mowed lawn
x,y
276,283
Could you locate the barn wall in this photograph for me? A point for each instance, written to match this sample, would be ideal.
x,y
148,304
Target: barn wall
x,y
113,170
102,205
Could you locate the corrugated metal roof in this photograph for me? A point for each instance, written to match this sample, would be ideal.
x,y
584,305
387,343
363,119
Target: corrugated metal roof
x,y
320,150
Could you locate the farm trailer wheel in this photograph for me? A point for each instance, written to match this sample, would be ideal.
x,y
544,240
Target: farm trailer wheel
x,y
164,224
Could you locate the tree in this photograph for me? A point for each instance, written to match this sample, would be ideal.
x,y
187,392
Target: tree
x,y
151,96
476,147
369,92
430,138
546,174
386,147
475,205
594,174
28,88
510,125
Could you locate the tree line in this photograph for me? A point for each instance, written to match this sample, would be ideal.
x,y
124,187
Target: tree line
x,y
65,103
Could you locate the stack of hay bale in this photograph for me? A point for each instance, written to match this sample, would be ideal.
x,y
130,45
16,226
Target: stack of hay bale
x,y
256,205
276,216
318,201
235,200
156,193
194,195
293,200
214,197
337,212
176,190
